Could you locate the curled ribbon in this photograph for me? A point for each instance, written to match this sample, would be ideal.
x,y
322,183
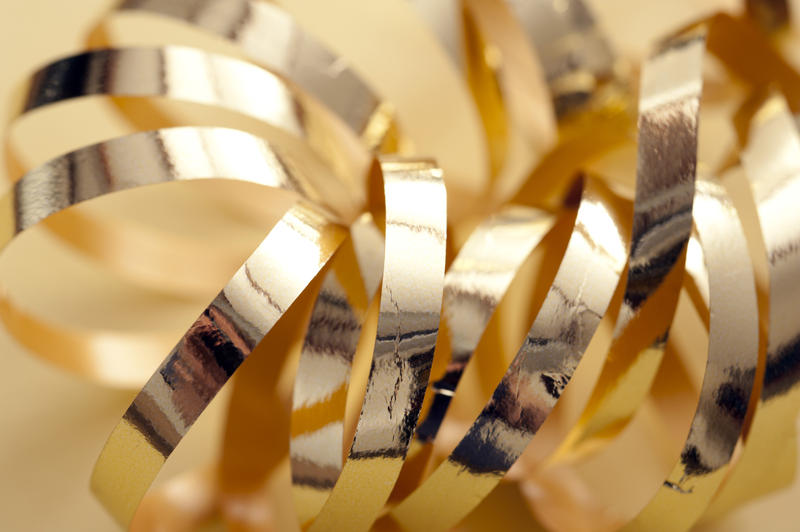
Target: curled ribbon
x,y
353,221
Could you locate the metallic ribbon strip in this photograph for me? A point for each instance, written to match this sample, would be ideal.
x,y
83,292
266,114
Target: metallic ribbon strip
x,y
730,370
772,164
408,324
445,123
323,373
268,283
745,51
174,154
215,346
191,75
574,53
512,96
544,364
254,300
662,221
473,287
271,37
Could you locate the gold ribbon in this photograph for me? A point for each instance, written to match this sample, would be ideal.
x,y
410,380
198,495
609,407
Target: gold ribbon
x,y
575,303
730,369
667,158
208,355
290,51
408,324
175,154
310,93
771,166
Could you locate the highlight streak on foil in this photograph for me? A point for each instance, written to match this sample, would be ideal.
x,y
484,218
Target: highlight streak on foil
x,y
544,364
772,165
662,221
730,370
408,325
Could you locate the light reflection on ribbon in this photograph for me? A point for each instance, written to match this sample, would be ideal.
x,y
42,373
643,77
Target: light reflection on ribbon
x,y
323,373
271,37
174,154
667,157
255,298
575,54
408,325
730,369
253,301
186,74
772,165
567,320
473,286
192,75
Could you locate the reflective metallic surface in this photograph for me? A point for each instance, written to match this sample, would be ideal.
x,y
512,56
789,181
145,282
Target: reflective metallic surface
x,y
272,38
323,373
772,165
662,221
191,75
730,369
408,324
465,84
567,320
208,355
574,53
146,159
473,286
150,158
383,42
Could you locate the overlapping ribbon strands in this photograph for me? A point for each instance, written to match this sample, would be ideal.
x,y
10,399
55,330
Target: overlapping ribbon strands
x,y
506,278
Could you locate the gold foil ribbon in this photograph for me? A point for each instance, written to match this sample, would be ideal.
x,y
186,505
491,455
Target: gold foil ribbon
x,y
667,158
288,50
208,355
323,373
541,370
772,168
247,308
185,74
332,494
408,325
719,420
137,160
